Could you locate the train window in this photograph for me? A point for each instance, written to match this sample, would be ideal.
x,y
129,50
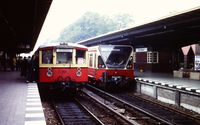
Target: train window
x,y
80,56
90,60
152,57
101,63
63,56
47,56
95,56
134,57
115,56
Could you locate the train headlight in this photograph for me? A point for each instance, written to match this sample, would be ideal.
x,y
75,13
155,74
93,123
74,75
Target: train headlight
x,y
78,72
129,66
49,72
101,66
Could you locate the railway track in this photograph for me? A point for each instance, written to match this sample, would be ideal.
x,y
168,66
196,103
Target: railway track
x,y
85,110
71,112
152,112
93,107
103,113
121,114
164,113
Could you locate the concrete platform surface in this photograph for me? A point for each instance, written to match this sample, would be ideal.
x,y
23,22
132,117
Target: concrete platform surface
x,y
169,79
14,103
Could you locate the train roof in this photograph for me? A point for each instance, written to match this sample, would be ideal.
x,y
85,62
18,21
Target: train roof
x,y
62,45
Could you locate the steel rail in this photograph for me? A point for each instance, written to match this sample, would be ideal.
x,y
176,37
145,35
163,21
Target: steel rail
x,y
110,107
135,107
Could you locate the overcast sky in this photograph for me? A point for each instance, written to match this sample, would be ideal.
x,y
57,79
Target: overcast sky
x,y
65,12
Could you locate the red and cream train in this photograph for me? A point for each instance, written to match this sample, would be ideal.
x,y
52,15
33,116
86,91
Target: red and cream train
x,y
72,65
63,65
111,65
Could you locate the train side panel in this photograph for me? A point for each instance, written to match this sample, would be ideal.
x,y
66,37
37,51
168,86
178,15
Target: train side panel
x,y
97,73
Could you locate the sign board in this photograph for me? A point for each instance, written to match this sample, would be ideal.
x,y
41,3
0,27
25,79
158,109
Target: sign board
x,y
141,50
80,61
64,50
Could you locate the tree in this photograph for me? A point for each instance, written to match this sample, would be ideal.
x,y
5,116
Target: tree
x,y
94,24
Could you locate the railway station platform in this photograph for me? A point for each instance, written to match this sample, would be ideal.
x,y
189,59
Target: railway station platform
x,y
169,79
20,102
182,92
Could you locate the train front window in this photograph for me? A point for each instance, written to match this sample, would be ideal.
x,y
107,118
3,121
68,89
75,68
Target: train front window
x,y
64,56
80,56
47,56
115,56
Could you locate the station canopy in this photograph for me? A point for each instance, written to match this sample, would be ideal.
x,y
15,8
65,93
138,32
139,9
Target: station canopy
x,y
20,23
175,31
